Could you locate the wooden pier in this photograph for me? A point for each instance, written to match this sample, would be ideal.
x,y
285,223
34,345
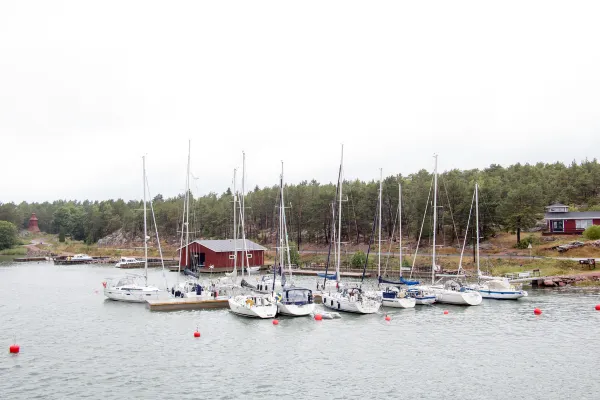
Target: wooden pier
x,y
343,274
151,264
185,304
27,259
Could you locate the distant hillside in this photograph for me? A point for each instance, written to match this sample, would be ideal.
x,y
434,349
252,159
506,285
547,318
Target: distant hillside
x,y
511,199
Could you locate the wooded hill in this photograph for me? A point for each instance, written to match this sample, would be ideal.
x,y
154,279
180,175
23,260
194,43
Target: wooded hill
x,y
511,199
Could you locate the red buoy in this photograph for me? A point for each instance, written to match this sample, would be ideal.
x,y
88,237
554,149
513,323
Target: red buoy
x,y
597,307
388,318
445,312
318,317
275,322
537,311
196,334
14,349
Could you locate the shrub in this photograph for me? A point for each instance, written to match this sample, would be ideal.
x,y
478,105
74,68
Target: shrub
x,y
358,259
592,232
61,236
8,235
294,254
524,243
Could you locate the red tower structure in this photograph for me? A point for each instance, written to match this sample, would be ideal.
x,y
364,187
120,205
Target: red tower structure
x,y
33,224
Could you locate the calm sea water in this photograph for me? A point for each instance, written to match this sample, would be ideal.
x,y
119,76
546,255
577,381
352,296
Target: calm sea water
x,y
77,345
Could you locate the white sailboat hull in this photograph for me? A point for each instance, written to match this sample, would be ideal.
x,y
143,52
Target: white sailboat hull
x,y
295,310
239,305
507,295
137,295
405,302
465,298
341,303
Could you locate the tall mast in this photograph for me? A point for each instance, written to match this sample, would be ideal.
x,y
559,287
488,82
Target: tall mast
x,y
187,206
242,216
379,223
400,224
145,224
477,226
339,242
434,218
280,244
234,220
284,225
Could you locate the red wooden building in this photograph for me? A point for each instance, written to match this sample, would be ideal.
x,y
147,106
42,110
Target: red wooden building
x,y
201,254
33,224
563,222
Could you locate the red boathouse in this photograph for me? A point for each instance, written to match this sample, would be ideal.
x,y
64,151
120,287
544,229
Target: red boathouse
x,y
202,254
563,222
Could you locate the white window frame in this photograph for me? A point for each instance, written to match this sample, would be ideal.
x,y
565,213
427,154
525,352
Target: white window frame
x,y
582,224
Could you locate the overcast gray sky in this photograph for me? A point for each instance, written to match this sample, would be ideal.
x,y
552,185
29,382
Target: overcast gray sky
x,y
87,88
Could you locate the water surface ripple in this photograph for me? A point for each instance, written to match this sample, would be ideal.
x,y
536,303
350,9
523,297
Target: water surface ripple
x,y
76,345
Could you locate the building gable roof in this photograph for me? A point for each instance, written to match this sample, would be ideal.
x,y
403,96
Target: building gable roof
x,y
227,245
573,215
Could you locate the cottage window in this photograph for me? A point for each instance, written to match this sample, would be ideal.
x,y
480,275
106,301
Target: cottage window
x,y
557,226
583,223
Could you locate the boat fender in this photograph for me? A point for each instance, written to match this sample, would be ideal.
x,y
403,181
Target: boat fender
x,y
216,294
249,302
338,305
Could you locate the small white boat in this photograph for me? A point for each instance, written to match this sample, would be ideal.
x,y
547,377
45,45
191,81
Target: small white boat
x,y
128,260
396,298
81,257
421,295
207,291
499,289
132,289
296,302
253,270
255,306
454,293
351,300
330,315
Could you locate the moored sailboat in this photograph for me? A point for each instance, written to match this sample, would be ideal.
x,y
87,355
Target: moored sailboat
x,y
135,288
349,299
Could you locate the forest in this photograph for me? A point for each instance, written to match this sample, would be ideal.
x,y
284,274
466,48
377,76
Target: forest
x,y
510,199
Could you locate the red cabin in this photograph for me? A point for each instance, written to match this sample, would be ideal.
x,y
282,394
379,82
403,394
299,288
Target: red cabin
x,y
33,224
200,255
563,222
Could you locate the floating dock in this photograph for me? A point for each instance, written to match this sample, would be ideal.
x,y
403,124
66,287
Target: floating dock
x,y
342,274
151,264
185,304
27,259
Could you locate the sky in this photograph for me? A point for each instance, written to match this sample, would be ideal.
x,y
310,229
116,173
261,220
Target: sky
x,y
88,88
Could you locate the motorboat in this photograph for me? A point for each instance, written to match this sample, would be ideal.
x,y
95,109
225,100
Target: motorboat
x,y
208,291
351,300
296,302
500,289
255,306
128,261
397,298
422,295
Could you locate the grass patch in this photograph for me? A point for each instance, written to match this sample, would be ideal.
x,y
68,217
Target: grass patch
x,y
15,251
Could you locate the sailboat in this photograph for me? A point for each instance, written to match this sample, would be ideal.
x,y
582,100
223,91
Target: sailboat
x,y
393,296
330,281
248,305
490,287
294,301
135,288
451,292
349,299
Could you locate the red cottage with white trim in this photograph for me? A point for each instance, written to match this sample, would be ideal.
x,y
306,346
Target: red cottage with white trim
x,y
560,221
200,255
